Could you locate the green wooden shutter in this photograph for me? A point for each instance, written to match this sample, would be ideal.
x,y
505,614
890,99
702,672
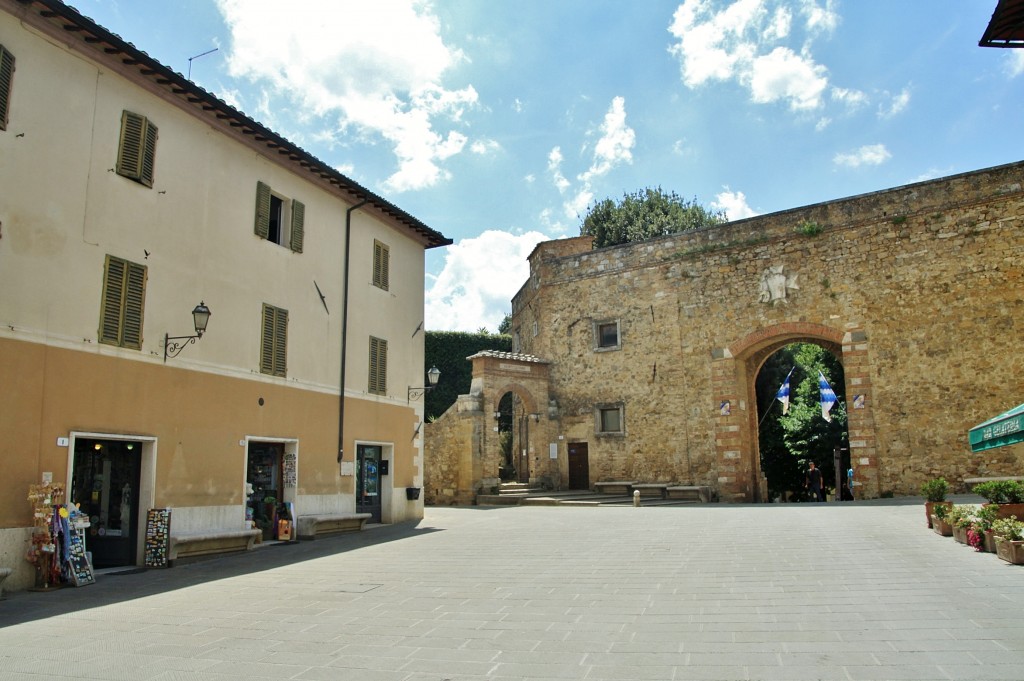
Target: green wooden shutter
x,y
129,154
280,342
113,296
262,210
6,79
267,341
134,304
298,225
378,366
381,265
148,161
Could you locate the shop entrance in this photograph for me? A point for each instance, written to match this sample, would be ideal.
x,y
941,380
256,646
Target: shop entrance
x,y
105,484
264,473
369,459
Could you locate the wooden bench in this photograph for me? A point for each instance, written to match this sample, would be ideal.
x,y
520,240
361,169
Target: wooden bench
x,y
309,526
651,489
617,487
210,541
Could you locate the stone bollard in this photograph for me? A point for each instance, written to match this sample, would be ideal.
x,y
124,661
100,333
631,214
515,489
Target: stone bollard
x,y
636,498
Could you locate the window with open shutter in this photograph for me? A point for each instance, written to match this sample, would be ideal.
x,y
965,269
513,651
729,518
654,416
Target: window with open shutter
x,y
6,80
262,227
381,265
274,342
136,154
121,311
378,366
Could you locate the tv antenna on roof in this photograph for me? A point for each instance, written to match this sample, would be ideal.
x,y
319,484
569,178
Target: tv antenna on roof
x,y
197,57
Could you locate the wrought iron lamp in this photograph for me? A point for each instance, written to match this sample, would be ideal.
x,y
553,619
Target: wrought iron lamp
x,y
200,317
432,375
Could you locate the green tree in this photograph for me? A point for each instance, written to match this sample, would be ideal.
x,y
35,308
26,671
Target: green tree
x,y
505,327
643,215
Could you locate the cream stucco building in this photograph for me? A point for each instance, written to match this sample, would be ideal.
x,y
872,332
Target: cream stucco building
x,y
130,196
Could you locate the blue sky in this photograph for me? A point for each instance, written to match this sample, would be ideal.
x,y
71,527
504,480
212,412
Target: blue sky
x,y
497,122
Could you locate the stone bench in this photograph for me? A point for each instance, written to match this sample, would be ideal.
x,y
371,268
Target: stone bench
x,y
651,489
617,487
971,482
309,526
209,542
701,493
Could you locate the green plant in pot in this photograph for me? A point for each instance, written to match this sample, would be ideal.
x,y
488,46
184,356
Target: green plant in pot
x,y
961,517
934,493
979,534
1008,494
1009,533
940,519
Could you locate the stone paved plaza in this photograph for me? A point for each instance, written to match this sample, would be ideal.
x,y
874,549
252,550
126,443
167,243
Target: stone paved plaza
x,y
854,592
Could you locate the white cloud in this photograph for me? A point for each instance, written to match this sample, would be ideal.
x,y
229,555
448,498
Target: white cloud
x,y
385,79
782,74
484,146
555,166
1015,63
479,278
740,43
896,104
616,143
854,99
868,155
734,204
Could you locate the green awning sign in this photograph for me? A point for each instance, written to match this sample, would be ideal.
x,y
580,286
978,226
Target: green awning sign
x,y
1005,429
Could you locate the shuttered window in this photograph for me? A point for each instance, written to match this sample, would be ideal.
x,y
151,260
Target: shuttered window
x,y
274,344
6,80
124,296
378,366
270,221
136,154
381,265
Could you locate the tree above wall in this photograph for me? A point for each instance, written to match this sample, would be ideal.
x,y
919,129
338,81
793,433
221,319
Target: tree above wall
x,y
645,214
448,350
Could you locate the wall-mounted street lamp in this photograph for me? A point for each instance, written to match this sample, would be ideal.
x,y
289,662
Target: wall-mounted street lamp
x,y
432,376
200,317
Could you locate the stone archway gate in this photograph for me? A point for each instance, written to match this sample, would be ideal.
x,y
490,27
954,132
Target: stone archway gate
x,y
462,448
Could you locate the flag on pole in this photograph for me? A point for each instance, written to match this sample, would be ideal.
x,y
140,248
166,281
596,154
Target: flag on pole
x,y
783,394
828,397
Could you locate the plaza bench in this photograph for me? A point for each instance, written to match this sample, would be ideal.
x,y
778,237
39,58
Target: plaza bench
x,y
651,489
309,526
210,541
971,482
615,487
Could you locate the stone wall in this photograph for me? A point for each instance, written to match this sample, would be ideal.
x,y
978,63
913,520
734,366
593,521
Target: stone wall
x,y
918,289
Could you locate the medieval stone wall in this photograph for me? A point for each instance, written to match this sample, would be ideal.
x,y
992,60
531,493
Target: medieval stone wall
x,y
920,286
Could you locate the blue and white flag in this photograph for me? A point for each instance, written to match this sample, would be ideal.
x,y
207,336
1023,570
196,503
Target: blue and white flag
x,y
828,397
783,394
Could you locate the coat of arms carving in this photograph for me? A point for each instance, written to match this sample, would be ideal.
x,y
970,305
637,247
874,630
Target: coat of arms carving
x,y
775,285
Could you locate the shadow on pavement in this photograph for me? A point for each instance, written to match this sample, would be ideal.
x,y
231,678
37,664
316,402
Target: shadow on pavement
x,y
117,587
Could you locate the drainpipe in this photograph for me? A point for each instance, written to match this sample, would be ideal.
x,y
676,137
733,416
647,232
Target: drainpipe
x,y
344,329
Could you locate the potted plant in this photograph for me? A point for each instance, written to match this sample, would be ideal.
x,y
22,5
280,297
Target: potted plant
x,y
934,493
1009,534
1008,494
961,517
980,534
940,520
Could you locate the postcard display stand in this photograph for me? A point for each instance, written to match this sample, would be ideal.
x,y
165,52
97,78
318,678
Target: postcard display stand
x,y
77,565
158,537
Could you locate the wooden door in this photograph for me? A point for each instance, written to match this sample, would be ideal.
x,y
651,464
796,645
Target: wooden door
x,y
579,466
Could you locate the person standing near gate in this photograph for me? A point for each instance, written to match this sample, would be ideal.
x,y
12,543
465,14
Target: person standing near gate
x,y
813,482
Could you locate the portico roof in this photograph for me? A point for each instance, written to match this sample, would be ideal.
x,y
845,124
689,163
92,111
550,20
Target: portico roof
x,y
1006,28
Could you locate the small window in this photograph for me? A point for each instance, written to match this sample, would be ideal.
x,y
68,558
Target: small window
x,y
278,219
136,153
516,346
381,265
124,296
378,366
6,80
536,329
274,341
606,335
609,419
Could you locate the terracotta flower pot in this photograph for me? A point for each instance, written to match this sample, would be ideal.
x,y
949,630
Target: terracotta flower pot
x,y
929,507
1010,551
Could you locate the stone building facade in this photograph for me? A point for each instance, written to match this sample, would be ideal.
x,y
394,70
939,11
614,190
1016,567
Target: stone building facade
x,y
654,347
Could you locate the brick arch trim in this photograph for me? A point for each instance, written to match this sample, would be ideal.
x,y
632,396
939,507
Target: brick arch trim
x,y
524,393
751,344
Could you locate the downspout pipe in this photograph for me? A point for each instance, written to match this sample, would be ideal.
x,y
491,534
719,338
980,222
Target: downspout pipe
x,y
344,327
